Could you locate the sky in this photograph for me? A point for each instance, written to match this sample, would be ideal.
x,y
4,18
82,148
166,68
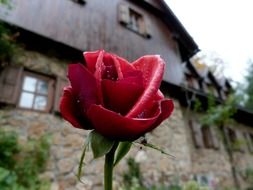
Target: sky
x,y
222,26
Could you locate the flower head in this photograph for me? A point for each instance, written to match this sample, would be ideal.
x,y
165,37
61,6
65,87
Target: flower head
x,y
120,100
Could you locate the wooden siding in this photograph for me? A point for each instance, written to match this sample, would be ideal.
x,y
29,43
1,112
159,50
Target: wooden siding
x,y
94,26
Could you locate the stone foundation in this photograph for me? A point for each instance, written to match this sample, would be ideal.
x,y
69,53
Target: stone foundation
x,y
173,137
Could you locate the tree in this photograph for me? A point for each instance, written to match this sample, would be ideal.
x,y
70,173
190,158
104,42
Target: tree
x,y
8,45
249,88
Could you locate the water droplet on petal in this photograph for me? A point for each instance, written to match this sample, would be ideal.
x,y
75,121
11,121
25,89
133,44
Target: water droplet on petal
x,y
141,115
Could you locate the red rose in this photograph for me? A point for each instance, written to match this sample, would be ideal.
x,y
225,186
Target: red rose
x,y
121,101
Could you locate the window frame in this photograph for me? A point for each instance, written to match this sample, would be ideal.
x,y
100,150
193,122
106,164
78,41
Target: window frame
x,y
192,82
125,11
138,18
204,137
49,95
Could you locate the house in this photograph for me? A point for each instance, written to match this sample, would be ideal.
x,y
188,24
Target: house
x,y
55,33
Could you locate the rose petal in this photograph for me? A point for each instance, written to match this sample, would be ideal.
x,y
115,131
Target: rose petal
x,y
91,59
125,66
121,95
152,68
166,107
159,95
117,127
70,110
83,84
111,68
98,75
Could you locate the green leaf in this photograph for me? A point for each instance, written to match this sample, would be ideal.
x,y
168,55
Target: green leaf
x,y
99,144
122,150
81,161
3,173
156,148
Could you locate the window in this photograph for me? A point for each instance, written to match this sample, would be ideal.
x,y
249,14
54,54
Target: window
x,y
134,21
232,135
203,136
196,134
223,94
35,92
209,137
235,139
28,90
212,90
206,136
192,82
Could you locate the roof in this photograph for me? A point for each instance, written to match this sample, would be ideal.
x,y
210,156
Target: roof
x,y
187,45
182,94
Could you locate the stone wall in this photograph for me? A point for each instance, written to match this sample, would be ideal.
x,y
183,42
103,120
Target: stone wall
x,y
173,136
243,160
41,63
208,163
67,143
213,164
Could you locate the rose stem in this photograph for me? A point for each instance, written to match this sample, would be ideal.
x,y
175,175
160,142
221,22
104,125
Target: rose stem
x,y
108,167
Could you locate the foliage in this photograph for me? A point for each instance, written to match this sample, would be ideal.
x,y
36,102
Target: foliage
x,y
220,114
122,150
133,175
133,180
4,2
21,164
100,145
249,89
249,175
193,185
8,147
8,45
197,105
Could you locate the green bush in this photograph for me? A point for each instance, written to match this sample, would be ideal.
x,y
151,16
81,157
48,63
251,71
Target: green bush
x,y
8,45
20,165
193,185
132,180
133,175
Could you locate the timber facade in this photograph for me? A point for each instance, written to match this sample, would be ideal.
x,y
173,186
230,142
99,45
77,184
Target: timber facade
x,y
55,33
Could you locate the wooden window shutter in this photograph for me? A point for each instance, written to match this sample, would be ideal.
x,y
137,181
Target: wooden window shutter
x,y
195,83
60,84
215,138
205,88
148,28
10,82
123,14
249,142
227,137
240,141
207,136
142,28
196,134
51,93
